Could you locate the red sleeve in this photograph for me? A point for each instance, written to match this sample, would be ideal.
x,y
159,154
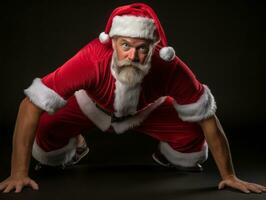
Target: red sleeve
x,y
183,85
77,73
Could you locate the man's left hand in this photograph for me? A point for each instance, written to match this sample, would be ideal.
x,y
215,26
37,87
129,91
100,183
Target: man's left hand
x,y
246,187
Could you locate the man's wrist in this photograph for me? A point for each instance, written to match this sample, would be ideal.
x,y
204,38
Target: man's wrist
x,y
228,176
19,173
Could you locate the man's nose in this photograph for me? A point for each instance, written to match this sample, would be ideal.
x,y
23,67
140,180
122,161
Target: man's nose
x,y
133,55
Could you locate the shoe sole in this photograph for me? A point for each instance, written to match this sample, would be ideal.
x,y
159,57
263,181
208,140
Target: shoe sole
x,y
169,165
80,157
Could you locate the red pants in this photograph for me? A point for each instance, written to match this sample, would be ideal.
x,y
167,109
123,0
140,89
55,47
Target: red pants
x,y
54,131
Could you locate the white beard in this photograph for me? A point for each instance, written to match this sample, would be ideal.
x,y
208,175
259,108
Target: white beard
x,y
126,99
128,84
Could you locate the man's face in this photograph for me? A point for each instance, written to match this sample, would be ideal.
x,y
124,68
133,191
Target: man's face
x,y
131,49
131,59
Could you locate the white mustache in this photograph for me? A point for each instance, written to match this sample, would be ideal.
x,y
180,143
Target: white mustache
x,y
124,63
127,63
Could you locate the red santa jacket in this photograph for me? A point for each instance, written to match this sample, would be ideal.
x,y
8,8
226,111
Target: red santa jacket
x,y
89,70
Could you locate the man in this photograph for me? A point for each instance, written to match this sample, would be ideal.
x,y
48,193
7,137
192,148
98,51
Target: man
x,y
126,79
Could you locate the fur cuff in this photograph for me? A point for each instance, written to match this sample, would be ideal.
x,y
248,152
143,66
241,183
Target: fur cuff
x,y
44,97
202,109
57,157
184,159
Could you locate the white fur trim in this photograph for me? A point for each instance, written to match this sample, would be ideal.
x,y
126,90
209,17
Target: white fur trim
x,y
184,159
138,118
104,38
132,26
167,53
44,97
56,157
202,109
88,107
103,121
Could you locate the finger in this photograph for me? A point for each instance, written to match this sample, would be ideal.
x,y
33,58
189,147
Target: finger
x,y
253,188
3,185
240,187
243,188
34,185
18,188
9,188
221,185
263,188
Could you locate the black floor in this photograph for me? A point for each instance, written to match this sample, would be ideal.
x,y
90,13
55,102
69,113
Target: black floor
x,y
120,167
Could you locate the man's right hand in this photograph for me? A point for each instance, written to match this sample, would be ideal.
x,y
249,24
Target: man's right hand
x,y
23,138
17,183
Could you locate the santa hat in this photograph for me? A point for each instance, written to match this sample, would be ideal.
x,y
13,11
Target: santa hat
x,y
137,20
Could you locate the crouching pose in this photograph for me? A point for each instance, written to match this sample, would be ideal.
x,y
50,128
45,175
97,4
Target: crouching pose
x,y
128,78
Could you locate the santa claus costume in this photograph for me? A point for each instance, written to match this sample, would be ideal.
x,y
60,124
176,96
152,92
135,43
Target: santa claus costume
x,y
85,92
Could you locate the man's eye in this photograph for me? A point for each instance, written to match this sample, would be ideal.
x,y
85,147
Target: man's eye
x,y
144,49
125,46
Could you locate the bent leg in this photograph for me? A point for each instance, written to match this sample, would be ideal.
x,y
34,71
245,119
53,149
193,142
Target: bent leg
x,y
55,142
182,143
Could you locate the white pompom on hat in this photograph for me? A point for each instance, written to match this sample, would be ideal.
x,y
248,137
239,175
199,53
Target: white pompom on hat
x,y
137,20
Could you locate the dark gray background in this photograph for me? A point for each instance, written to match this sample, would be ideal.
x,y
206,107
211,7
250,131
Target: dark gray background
x,y
223,42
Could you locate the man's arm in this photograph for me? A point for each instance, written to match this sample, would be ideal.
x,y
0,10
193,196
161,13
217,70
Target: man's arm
x,y
24,133
219,147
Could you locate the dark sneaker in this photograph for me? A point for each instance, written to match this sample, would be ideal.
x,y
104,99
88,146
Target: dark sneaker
x,y
160,159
